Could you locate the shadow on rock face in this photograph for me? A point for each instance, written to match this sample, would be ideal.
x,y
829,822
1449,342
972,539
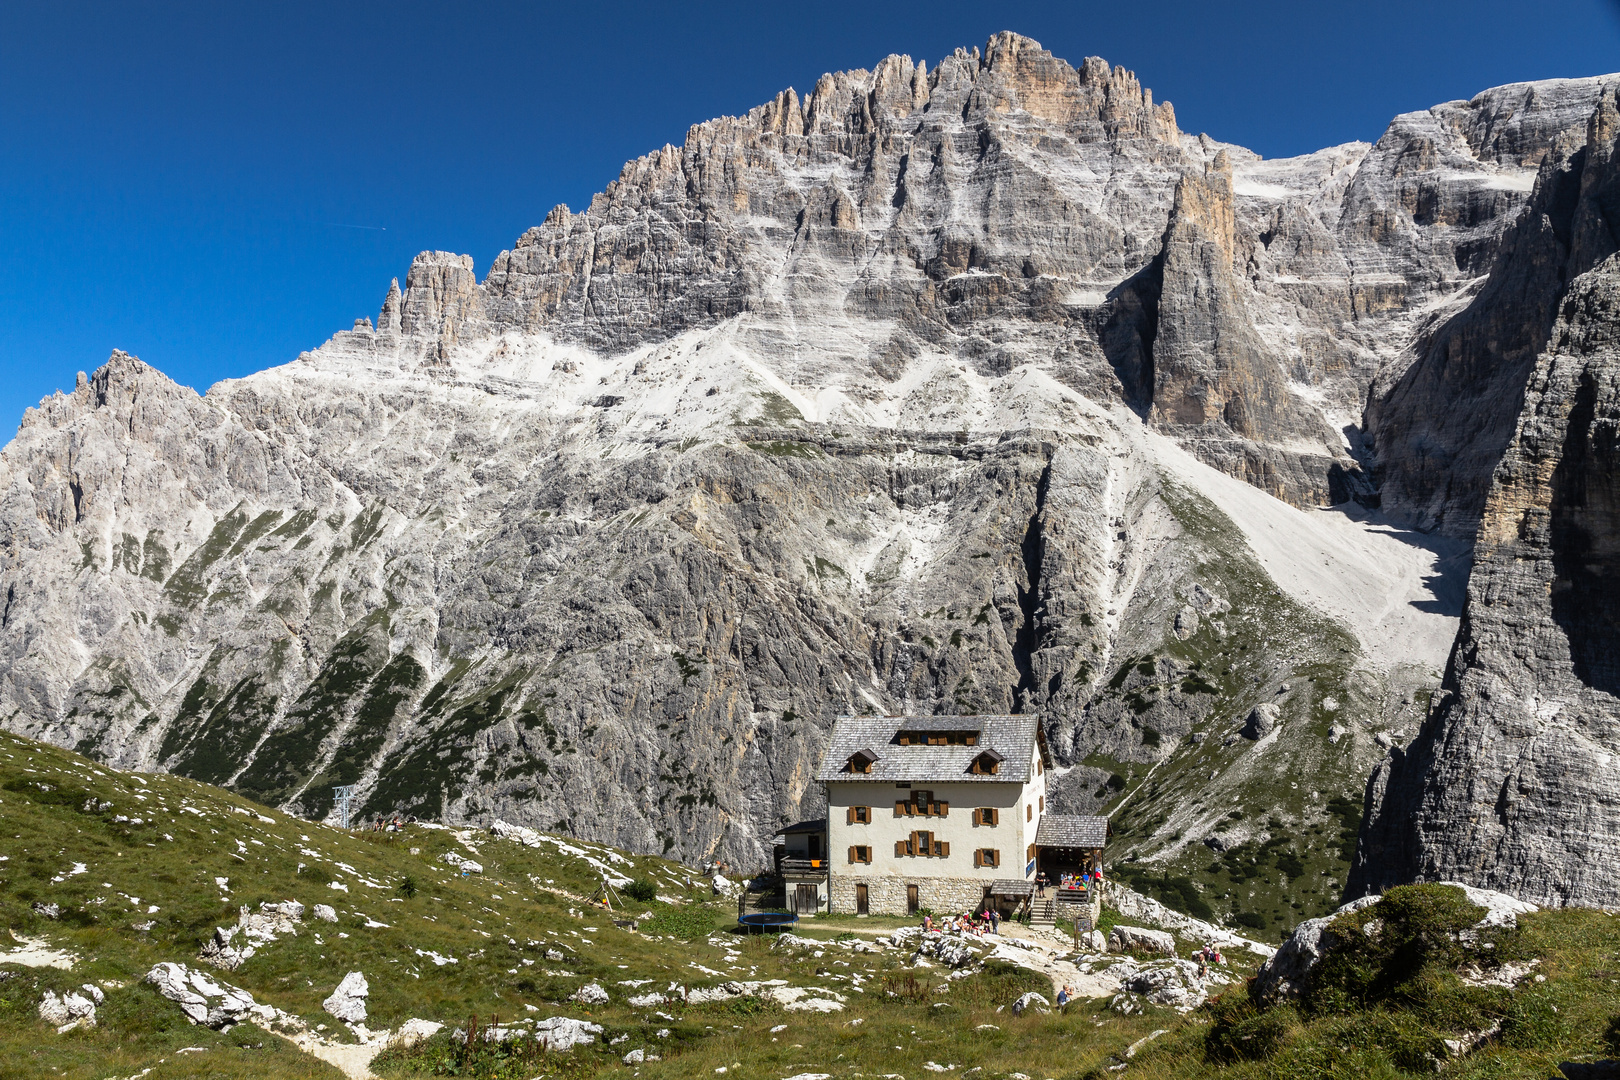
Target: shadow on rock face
x,y
1585,514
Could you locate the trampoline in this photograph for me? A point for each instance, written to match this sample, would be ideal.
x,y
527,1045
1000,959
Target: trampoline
x,y
761,921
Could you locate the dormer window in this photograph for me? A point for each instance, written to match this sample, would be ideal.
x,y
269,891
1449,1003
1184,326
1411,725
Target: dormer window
x,y
937,738
861,761
987,762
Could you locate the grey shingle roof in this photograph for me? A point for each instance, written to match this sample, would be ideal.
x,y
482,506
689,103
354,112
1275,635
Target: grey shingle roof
x,y
812,825
1011,736
1072,830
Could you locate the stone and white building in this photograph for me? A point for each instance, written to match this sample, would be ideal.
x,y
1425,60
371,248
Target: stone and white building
x,y
937,812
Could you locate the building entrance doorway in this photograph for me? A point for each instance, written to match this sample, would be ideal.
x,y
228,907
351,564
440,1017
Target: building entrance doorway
x,y
912,902
860,900
805,900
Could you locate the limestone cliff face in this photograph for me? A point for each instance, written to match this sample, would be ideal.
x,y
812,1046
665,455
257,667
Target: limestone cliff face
x,y
1441,426
1512,782
873,399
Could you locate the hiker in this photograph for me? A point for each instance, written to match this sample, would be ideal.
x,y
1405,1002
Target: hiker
x,y
1041,882
995,921
928,924
1065,995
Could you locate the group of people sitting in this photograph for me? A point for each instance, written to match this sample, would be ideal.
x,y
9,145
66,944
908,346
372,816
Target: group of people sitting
x,y
385,825
985,922
1206,956
1084,879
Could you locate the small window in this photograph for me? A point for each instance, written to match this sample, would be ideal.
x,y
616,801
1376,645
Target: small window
x,y
986,857
986,815
1037,765
1042,799
1029,812
1030,854
858,815
860,853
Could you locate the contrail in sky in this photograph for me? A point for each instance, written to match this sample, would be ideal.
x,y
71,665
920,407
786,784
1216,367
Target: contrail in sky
x,y
373,228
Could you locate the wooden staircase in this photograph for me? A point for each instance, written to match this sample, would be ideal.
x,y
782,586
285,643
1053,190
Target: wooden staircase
x,y
1042,912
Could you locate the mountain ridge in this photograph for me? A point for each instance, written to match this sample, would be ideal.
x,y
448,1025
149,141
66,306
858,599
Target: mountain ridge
x,y
849,403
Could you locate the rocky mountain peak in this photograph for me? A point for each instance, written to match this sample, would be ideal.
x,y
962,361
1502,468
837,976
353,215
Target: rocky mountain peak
x,y
944,388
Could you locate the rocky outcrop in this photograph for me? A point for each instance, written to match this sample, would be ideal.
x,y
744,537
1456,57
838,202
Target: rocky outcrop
x,y
1285,973
1444,423
1510,784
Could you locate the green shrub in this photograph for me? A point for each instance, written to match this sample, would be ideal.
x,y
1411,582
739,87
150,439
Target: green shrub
x,y
406,887
1240,1031
641,891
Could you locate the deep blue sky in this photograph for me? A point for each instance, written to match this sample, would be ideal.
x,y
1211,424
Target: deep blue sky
x,y
186,181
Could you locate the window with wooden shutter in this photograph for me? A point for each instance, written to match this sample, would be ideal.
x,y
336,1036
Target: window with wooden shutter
x,y
852,857
1043,803
978,857
985,815
1029,812
1031,853
860,853
944,809
861,815
900,806
995,856
849,816
942,848
899,848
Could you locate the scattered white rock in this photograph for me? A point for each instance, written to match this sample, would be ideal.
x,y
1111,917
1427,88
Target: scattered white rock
x,y
590,994
325,913
462,863
634,1057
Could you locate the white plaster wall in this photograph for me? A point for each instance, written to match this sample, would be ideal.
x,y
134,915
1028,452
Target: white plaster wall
x,y
1011,836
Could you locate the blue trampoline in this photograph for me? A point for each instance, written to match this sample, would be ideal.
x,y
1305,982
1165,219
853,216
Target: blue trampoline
x,y
761,921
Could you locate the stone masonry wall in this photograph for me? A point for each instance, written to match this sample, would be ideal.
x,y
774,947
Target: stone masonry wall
x,y
887,895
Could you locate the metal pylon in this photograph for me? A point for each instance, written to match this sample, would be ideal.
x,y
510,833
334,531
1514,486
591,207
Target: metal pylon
x,y
345,797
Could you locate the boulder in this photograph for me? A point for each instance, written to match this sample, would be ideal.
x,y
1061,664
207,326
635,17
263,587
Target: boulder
x,y
1140,939
565,1033
634,1057
325,913
70,1010
1031,1001
590,994
348,1001
414,1031
1262,721
1094,941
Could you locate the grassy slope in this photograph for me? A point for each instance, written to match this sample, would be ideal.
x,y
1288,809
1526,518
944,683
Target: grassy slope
x,y
1283,809
488,922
